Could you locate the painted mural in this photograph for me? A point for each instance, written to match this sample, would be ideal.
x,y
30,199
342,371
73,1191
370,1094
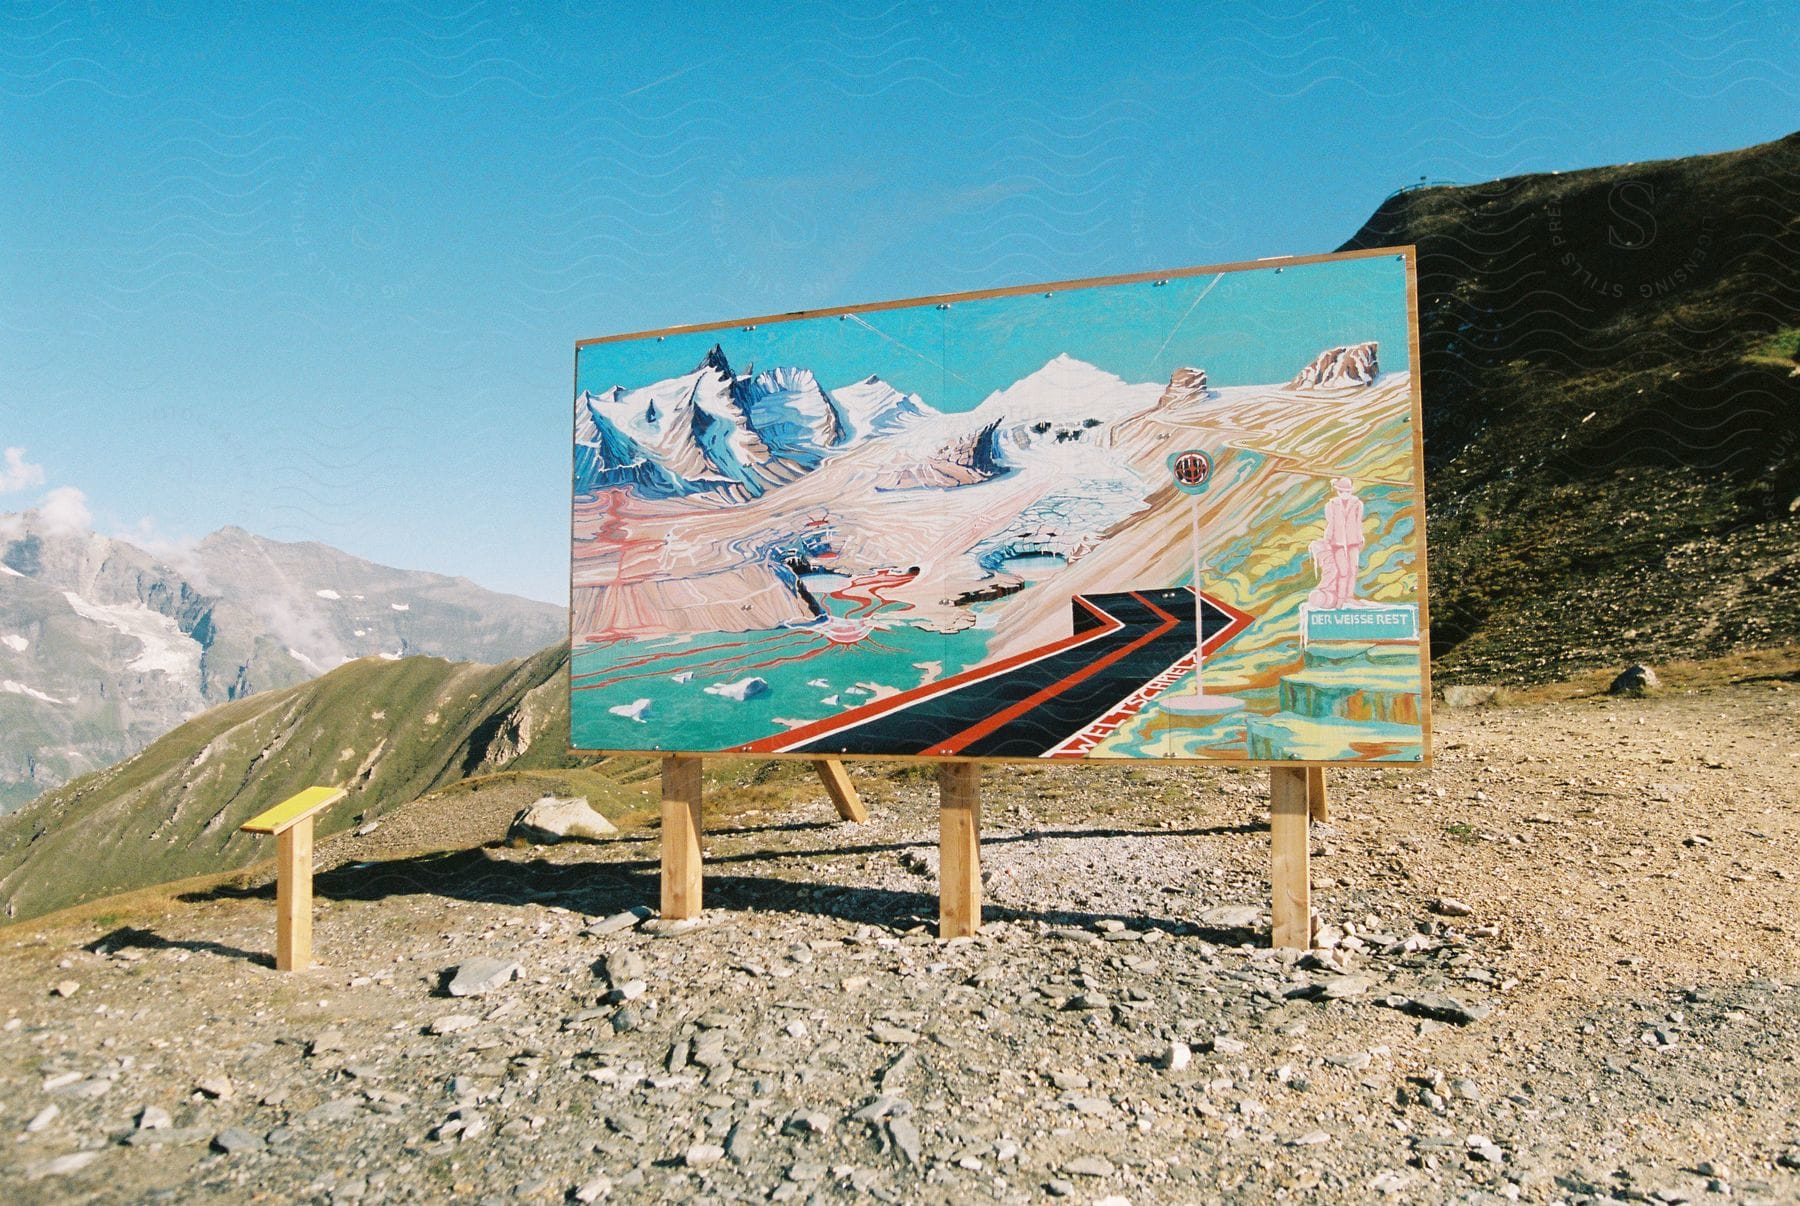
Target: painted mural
x,y
1173,517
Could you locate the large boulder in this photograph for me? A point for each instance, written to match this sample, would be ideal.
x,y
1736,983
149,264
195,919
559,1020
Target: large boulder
x,y
554,819
1635,680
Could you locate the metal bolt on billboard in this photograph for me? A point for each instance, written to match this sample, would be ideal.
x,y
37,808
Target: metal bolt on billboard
x,y
1175,515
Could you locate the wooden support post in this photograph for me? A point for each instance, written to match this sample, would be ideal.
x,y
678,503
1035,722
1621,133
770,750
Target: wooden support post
x,y
293,896
680,837
959,849
842,792
1289,811
1316,801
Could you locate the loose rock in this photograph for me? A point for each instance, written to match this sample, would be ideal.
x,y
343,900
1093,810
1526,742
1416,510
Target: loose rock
x,y
700,1155
554,819
481,975
63,1166
235,1140
219,1088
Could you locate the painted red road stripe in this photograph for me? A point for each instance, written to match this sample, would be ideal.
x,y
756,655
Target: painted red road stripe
x,y
1009,714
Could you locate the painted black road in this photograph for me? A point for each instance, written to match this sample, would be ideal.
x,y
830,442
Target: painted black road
x,y
1028,709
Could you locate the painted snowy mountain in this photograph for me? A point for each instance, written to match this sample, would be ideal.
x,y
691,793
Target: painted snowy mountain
x,y
731,436
1055,412
684,435
1335,368
872,408
1067,402
962,460
792,414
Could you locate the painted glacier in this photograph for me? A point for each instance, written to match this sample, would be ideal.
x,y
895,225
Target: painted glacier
x,y
1172,517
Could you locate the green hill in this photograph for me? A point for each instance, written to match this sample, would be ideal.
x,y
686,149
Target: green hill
x,y
390,731
1612,412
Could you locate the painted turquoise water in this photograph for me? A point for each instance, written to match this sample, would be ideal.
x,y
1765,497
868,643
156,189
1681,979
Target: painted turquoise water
x,y
809,677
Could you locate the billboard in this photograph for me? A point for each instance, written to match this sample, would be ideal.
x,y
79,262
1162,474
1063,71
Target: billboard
x,y
1176,515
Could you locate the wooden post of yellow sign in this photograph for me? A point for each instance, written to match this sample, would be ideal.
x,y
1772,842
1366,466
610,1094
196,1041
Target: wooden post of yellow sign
x,y
291,821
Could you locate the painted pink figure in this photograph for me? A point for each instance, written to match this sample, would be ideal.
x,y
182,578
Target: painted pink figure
x,y
1344,541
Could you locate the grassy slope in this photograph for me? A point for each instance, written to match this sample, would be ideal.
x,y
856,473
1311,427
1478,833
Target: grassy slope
x,y
1612,419
390,731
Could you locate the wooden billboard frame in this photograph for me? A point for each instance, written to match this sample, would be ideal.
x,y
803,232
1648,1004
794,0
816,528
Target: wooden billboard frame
x,y
1297,787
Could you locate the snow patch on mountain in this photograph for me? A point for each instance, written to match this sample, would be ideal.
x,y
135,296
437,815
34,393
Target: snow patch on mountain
x,y
327,594
12,688
165,647
400,606
14,642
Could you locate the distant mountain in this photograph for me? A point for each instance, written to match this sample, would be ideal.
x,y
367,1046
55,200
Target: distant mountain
x,y
387,731
104,647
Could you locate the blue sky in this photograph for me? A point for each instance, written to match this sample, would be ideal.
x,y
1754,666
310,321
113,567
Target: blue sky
x,y
319,273
1248,327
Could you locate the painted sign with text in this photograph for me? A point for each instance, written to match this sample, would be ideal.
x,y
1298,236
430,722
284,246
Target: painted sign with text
x,y
1176,516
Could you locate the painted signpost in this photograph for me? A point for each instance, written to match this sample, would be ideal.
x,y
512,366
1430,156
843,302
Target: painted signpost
x,y
972,527
1192,471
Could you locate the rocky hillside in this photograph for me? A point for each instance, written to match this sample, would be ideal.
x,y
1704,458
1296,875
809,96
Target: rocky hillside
x,y
105,647
390,731
1612,411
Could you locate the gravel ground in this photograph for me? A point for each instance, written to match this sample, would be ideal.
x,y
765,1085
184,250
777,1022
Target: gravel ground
x,y
1561,966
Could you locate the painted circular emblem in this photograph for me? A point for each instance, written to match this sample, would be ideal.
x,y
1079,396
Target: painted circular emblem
x,y
1192,469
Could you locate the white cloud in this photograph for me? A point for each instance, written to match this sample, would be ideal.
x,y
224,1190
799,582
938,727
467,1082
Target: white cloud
x,y
16,473
65,509
177,552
